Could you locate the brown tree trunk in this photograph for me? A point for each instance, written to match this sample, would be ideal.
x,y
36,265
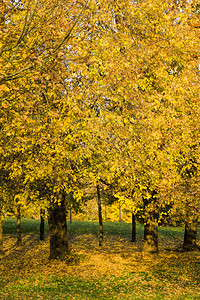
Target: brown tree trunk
x,y
70,215
120,214
151,225
190,235
42,214
58,228
87,212
19,234
133,228
100,216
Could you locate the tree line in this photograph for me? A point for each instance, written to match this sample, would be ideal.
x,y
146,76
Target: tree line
x,y
103,93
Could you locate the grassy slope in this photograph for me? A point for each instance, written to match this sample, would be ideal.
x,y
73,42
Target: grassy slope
x,y
118,270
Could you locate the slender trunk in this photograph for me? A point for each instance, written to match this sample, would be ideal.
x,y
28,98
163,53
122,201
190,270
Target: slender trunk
x,y
151,225
42,214
86,212
120,214
1,232
133,228
19,234
100,216
105,214
71,201
190,236
70,215
58,228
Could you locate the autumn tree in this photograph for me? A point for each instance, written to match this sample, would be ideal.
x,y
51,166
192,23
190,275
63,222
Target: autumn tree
x,y
147,78
39,119
73,106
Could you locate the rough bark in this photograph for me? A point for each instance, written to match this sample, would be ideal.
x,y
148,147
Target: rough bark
x,y
100,216
19,234
151,225
42,214
190,235
58,227
133,239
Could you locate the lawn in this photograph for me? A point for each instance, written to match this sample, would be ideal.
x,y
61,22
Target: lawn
x,y
118,270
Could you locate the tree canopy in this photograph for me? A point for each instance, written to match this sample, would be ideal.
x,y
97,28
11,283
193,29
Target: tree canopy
x,y
95,91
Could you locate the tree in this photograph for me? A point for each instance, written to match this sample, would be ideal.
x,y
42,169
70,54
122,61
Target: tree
x,y
42,215
74,107
58,227
153,56
32,38
25,49
133,236
188,185
151,223
19,235
100,215
39,70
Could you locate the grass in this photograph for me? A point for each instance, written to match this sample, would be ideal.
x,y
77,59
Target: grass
x,y
27,226
125,287
84,227
118,270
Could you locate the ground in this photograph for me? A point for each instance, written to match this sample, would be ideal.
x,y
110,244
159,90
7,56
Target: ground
x,y
118,270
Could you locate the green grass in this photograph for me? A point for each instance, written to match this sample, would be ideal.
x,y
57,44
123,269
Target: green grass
x,y
86,227
129,286
110,228
27,225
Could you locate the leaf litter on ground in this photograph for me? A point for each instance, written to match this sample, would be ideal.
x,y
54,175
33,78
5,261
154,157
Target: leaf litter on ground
x,y
119,268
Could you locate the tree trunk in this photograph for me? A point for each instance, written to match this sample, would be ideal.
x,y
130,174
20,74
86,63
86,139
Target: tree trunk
x,y
151,225
120,214
42,214
1,232
105,214
87,212
190,235
70,215
100,216
58,228
19,235
133,228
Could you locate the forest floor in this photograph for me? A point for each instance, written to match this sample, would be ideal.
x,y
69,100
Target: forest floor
x,y
117,270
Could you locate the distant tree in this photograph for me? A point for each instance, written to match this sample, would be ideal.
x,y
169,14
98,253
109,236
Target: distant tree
x,y
133,235
100,215
42,215
19,233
